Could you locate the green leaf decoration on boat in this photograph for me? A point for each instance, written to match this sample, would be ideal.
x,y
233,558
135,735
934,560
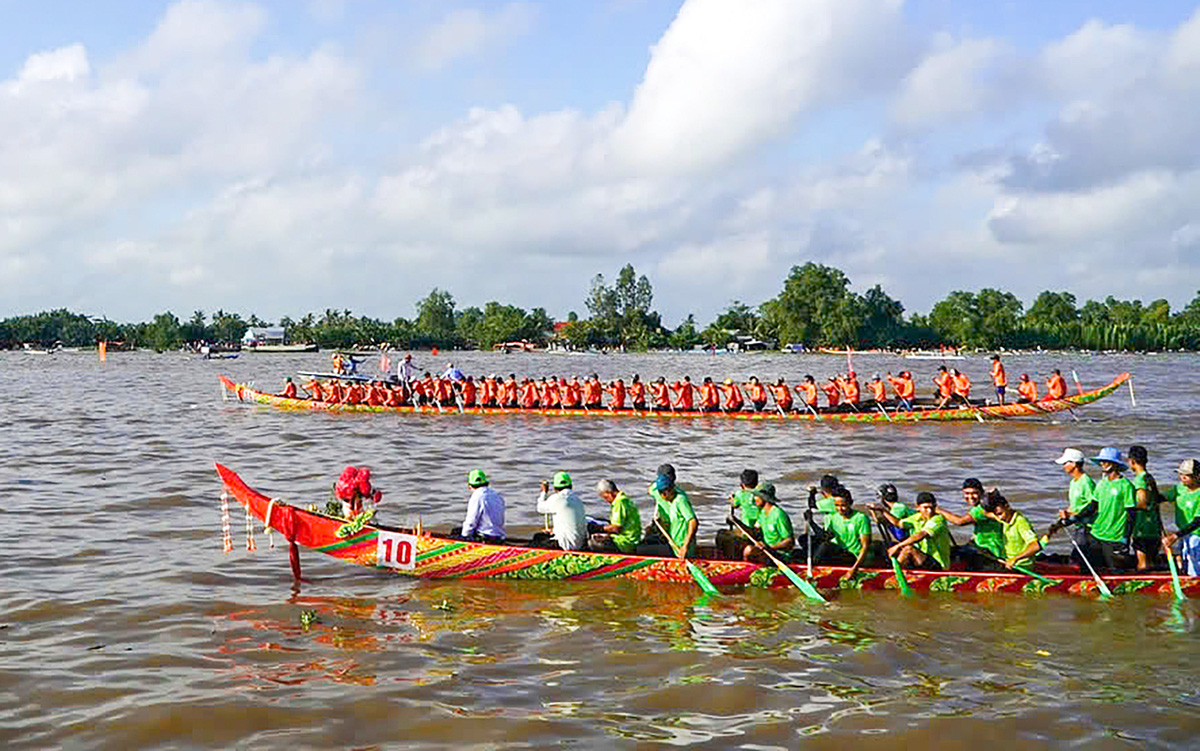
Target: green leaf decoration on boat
x,y
856,582
764,576
356,524
947,583
1129,586
1036,586
562,567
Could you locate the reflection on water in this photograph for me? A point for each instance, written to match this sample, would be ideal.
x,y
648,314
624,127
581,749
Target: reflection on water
x,y
124,626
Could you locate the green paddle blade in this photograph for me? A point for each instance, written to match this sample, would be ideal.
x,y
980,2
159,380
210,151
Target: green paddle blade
x,y
1032,573
702,580
901,580
1179,595
803,584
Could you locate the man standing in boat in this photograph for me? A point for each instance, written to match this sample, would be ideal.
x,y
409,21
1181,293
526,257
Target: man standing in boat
x,y
673,509
406,371
485,511
1114,493
999,378
1080,493
1186,497
569,526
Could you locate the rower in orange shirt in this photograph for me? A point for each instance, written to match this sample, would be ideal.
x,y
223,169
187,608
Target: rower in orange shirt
x,y
808,392
733,396
592,391
1056,386
851,389
551,394
428,388
313,387
529,394
710,396
833,393
376,396
660,395
354,394
878,389
999,378
617,393
487,391
637,393
443,391
509,396
289,389
684,394
783,396
469,390
1027,390
905,389
757,393
572,393
334,393
396,396
962,386
945,387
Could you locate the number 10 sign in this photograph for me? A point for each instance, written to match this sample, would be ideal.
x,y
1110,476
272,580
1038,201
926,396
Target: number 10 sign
x,y
395,550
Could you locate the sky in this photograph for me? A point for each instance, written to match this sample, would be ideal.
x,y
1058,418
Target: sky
x,y
284,157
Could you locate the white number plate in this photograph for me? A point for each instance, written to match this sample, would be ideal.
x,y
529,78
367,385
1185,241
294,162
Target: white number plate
x,y
396,550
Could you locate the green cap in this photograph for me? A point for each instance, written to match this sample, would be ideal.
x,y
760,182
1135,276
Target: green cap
x,y
765,491
561,480
477,478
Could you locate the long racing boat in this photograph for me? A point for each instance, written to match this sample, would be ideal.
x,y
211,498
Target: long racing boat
x,y
416,552
980,412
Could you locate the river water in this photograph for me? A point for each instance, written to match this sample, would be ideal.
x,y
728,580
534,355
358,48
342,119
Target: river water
x,y
124,625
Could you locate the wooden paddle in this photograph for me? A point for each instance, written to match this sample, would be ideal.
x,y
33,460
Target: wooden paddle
x,y
805,586
701,579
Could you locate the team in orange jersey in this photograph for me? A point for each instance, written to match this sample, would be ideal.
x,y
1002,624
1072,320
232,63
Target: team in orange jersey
x,y
842,392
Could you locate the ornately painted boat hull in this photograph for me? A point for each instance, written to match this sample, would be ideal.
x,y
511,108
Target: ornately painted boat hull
x,y
440,558
245,392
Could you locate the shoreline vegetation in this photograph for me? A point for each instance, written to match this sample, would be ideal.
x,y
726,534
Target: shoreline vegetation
x,y
816,308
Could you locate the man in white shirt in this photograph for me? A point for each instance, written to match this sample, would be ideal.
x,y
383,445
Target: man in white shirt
x,y
485,511
570,522
407,369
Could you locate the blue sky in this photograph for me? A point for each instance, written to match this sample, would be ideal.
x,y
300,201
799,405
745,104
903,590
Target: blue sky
x,y
284,157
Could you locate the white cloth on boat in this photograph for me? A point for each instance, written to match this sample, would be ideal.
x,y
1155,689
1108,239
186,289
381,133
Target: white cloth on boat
x,y
570,522
1189,548
485,514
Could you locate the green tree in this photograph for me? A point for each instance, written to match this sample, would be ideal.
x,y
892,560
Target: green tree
x,y
164,333
1052,309
812,308
686,335
435,318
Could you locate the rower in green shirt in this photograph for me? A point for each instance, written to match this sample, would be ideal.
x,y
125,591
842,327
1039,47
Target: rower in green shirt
x,y
673,509
889,501
987,545
774,524
731,541
1020,541
928,546
849,535
1145,526
624,529
1186,497
1113,495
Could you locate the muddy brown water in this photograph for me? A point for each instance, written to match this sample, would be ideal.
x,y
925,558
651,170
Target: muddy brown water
x,y
124,625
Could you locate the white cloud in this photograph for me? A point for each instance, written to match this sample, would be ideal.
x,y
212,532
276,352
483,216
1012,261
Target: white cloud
x,y
946,85
729,77
465,32
63,64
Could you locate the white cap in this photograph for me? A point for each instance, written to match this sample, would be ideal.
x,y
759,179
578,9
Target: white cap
x,y
1070,455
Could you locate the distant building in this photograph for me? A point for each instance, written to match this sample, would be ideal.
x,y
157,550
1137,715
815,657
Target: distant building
x,y
255,336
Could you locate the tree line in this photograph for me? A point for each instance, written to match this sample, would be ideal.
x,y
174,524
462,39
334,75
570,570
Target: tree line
x,y
816,307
